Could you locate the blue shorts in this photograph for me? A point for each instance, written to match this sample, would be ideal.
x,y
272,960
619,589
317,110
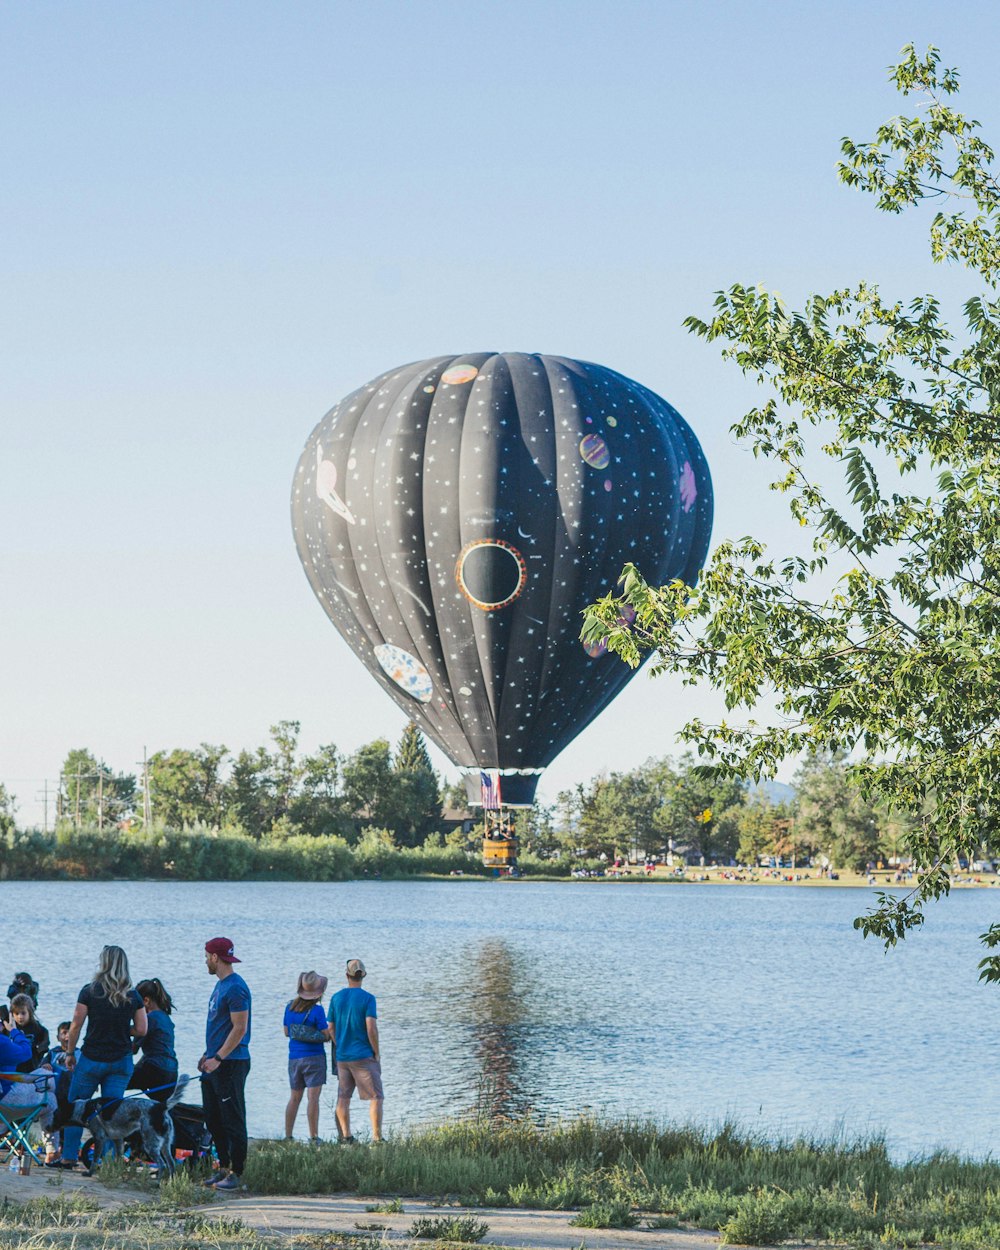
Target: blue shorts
x,y
309,1072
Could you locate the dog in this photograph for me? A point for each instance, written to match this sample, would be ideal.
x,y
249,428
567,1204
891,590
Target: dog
x,y
113,1123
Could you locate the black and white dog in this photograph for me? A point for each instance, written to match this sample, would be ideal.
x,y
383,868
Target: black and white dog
x,y
125,1118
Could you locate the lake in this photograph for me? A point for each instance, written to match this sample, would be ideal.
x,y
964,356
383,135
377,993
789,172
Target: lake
x,y
687,1003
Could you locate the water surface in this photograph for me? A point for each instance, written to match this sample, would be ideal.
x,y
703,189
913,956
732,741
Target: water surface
x,y
690,1002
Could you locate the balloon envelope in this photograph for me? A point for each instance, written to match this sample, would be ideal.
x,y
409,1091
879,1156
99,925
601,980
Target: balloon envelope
x,y
455,516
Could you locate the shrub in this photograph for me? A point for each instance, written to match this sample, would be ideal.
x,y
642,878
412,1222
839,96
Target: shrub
x,y
463,1228
606,1215
763,1218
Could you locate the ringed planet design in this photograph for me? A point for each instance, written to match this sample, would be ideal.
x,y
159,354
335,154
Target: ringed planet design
x,y
458,374
594,451
490,573
596,649
406,671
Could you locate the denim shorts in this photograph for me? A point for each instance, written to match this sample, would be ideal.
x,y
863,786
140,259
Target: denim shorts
x,y
308,1072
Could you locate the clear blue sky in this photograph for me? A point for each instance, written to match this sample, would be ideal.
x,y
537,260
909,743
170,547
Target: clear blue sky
x,y
221,218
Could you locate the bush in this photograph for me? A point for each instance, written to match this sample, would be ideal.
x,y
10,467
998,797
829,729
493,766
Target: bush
x,y
461,1228
606,1215
763,1218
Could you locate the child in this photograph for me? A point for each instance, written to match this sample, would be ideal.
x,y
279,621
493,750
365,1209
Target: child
x,y
57,1055
22,1013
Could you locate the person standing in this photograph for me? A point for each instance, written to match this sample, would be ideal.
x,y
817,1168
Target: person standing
x,y
353,1019
115,1015
306,1054
226,1063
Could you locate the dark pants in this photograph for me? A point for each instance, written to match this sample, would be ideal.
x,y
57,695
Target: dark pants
x,y
160,1082
226,1111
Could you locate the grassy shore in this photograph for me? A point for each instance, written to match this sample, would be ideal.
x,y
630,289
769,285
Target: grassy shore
x,y
754,1191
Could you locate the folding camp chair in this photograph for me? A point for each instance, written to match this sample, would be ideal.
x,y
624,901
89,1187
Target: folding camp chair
x,y
16,1121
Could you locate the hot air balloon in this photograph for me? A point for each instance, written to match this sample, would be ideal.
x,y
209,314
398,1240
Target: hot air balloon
x,y
454,518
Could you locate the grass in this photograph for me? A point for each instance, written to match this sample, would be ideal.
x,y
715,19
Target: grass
x,y
78,1224
752,1189
606,1215
461,1228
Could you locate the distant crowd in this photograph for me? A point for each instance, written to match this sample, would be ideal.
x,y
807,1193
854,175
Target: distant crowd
x,y
128,1044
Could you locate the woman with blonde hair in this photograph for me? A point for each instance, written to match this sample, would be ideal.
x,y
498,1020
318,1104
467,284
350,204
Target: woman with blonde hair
x,y
115,1015
307,1033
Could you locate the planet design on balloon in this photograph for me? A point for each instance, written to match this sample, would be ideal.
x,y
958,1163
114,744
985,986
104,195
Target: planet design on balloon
x,y
458,374
596,649
490,573
326,487
406,671
594,451
626,614
688,487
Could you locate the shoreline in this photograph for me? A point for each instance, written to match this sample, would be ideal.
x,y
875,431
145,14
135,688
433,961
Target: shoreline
x,y
702,876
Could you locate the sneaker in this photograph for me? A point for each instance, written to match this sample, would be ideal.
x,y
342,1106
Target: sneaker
x,y
215,1179
348,1141
315,1141
232,1181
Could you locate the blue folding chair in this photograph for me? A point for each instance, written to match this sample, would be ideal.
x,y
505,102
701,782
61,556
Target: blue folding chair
x,y
16,1121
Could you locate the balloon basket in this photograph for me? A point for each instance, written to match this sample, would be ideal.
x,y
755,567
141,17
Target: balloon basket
x,y
500,845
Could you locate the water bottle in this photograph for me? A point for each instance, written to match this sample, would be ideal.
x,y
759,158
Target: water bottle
x,y
13,1165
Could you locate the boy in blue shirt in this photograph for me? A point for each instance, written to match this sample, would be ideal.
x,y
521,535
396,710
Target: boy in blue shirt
x,y
352,1016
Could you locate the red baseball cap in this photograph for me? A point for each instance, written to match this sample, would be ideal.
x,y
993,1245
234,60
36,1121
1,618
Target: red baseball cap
x,y
223,947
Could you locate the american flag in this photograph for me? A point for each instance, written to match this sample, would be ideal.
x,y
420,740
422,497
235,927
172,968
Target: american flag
x,y
490,783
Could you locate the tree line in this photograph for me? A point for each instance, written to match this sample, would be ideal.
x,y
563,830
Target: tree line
x,y
689,812
267,790
676,808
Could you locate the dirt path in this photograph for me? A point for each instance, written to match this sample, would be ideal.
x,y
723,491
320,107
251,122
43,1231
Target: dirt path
x,y
543,1230
320,1213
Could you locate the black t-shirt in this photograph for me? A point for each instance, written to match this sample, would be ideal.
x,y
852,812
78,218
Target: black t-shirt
x,y
108,1036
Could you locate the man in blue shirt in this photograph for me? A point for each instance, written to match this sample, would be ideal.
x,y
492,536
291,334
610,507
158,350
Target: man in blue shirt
x,y
226,1063
355,1039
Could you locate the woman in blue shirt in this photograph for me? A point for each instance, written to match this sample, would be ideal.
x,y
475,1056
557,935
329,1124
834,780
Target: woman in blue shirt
x,y
306,1059
156,1071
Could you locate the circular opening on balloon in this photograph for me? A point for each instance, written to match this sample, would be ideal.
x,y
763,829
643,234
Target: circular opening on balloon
x,y
490,573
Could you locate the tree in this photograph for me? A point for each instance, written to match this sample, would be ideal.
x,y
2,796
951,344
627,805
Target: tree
x,y
536,830
831,814
370,787
418,791
248,793
882,637
284,767
318,808
91,796
700,806
186,787
760,825
8,808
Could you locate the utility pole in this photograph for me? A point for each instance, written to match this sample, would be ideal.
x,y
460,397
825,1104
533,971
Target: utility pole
x,y
147,802
44,796
100,797
78,775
